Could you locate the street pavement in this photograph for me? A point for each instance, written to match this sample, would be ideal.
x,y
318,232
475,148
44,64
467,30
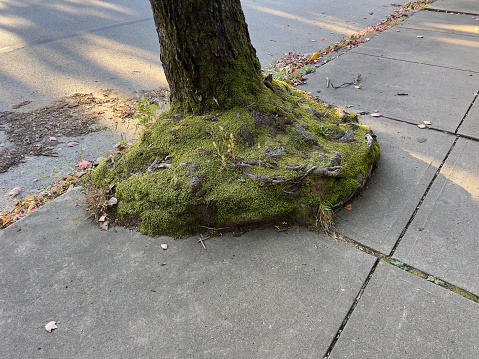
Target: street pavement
x,y
399,280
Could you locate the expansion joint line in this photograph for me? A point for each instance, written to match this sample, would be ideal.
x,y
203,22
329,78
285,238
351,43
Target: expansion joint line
x,y
413,215
467,112
396,263
451,12
351,310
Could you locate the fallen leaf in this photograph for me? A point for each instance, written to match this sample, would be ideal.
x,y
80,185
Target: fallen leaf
x,y
315,56
84,164
313,40
104,225
419,36
349,207
112,201
72,143
102,218
422,126
164,246
118,222
50,326
427,122
52,138
376,114
323,39
15,191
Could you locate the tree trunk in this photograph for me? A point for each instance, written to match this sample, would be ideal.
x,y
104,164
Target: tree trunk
x,y
207,55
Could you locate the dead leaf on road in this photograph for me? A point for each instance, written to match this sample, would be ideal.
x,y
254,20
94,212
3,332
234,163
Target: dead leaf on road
x,y
104,225
15,191
50,326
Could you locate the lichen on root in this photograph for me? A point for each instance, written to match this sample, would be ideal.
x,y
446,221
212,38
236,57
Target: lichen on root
x,y
284,157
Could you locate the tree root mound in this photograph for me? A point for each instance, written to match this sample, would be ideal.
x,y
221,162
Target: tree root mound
x,y
286,157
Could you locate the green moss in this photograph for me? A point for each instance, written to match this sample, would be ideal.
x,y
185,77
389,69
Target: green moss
x,y
165,201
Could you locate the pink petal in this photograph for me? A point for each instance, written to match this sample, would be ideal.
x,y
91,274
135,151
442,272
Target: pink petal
x,y
84,164
112,201
15,191
376,114
164,246
72,143
52,138
50,326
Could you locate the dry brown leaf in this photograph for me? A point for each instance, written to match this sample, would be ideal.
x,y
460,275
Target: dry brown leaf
x,y
104,225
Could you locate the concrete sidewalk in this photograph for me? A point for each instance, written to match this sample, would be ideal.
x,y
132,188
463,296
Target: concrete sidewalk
x,y
405,286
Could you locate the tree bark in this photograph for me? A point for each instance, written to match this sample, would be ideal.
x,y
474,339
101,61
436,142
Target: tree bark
x,y
207,55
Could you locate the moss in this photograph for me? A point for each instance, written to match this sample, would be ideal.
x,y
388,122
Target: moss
x,y
207,185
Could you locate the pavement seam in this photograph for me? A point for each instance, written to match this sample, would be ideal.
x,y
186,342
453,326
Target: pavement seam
x,y
405,267
418,28
467,113
351,310
413,215
459,135
451,12
417,63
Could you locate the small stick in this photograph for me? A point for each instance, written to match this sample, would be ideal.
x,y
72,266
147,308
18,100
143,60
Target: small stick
x,y
203,239
213,228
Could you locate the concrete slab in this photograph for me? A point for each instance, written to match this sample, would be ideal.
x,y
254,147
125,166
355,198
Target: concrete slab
x,y
40,172
263,295
470,126
409,159
403,316
443,37
465,6
434,93
439,22
443,238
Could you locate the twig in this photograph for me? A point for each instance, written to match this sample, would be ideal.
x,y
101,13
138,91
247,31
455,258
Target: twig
x,y
48,154
203,239
214,228
355,82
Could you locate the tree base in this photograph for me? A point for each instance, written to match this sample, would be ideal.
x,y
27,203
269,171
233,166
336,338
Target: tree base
x,y
285,157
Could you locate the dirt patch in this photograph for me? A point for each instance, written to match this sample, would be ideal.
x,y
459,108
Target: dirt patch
x,y
28,133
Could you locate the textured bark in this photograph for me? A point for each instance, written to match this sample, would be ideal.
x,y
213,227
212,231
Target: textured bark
x,y
206,53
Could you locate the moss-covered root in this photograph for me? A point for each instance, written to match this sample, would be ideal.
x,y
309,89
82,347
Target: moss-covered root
x,y
286,156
